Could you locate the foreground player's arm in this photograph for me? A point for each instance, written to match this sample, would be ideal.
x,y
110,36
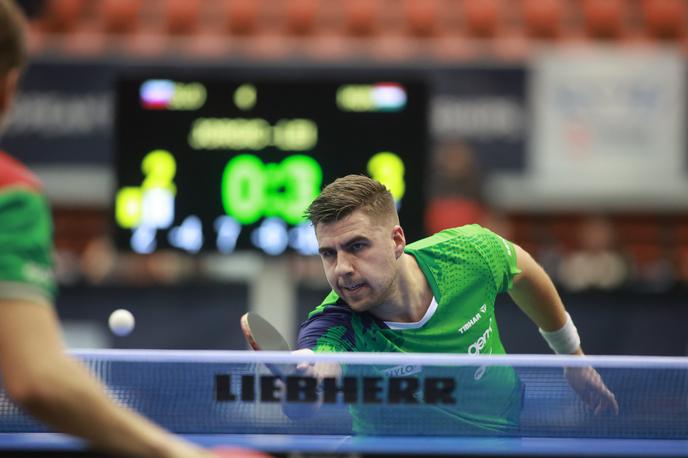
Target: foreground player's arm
x,y
58,390
534,292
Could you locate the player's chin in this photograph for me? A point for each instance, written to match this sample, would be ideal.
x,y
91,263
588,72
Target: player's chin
x,y
360,305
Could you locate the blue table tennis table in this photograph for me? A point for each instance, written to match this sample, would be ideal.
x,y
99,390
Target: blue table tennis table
x,y
42,444
182,392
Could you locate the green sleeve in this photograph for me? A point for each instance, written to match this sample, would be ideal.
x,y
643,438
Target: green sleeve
x,y
500,255
26,264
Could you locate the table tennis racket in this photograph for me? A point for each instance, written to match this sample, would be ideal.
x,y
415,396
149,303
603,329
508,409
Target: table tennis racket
x,y
262,336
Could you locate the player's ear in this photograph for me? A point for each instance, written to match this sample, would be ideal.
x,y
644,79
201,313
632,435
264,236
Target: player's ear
x,y
8,86
399,240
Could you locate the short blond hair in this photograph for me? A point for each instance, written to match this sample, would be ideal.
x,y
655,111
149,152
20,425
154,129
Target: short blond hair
x,y
350,193
13,53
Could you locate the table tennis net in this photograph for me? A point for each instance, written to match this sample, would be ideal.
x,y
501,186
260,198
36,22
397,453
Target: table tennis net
x,y
405,395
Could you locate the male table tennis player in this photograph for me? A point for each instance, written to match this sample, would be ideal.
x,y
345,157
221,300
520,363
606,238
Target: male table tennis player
x,y
35,370
434,295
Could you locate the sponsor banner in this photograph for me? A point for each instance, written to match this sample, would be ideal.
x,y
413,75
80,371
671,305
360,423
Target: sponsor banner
x,y
62,114
608,122
486,108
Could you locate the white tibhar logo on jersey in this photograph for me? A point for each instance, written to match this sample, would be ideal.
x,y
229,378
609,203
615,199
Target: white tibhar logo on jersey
x,y
474,319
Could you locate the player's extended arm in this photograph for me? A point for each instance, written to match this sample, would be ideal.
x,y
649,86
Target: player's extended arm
x,y
319,371
58,390
535,294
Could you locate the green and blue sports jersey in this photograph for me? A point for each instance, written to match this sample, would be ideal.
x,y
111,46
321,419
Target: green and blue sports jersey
x,y
466,268
26,264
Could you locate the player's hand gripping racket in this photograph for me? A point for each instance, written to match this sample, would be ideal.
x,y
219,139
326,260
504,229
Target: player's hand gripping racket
x,y
262,336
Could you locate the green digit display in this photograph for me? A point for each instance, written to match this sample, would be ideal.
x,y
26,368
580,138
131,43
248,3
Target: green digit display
x,y
252,189
302,182
243,188
388,169
274,179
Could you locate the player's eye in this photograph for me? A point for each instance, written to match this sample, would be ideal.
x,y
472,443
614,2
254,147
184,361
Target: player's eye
x,y
358,246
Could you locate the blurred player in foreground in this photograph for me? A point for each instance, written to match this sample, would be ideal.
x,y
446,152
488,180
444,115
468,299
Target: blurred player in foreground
x,y
434,295
35,370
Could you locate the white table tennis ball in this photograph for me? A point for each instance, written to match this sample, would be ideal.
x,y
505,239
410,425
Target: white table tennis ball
x,y
121,322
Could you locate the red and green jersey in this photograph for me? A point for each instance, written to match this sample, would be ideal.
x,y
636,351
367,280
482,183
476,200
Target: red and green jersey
x,y
26,264
466,268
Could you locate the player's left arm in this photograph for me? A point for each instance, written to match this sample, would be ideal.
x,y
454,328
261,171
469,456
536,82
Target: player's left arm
x,y
535,294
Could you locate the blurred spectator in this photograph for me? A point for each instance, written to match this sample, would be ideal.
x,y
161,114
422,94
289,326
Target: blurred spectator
x,y
98,260
652,268
596,263
455,192
499,223
682,267
550,255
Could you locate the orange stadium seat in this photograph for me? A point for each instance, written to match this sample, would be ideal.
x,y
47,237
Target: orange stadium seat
x,y
604,19
63,16
543,19
665,19
483,18
330,18
181,17
120,16
361,17
422,17
300,16
242,16
491,28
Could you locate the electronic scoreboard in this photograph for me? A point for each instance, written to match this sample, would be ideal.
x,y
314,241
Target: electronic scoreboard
x,y
222,164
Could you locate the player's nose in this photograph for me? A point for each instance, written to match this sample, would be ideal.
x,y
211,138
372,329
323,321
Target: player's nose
x,y
344,265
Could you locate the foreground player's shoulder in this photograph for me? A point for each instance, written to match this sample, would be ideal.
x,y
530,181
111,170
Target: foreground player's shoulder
x,y
26,229
15,175
23,205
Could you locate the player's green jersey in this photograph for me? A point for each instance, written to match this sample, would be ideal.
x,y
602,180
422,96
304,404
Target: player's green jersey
x,y
26,264
466,268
